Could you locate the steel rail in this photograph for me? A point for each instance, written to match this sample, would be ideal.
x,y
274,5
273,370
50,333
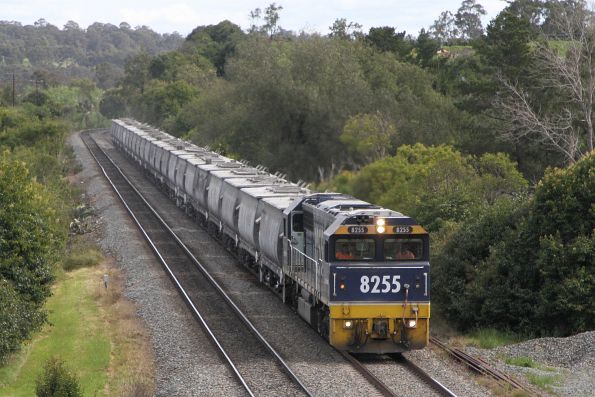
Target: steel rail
x,y
480,366
206,274
366,373
429,379
170,273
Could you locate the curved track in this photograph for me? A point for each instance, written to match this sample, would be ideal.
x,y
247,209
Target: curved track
x,y
248,354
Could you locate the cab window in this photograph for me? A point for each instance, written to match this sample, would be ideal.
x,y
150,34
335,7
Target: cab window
x,y
403,249
355,249
298,222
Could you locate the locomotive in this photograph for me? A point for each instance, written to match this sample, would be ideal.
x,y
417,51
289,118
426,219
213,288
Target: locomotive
x,y
359,274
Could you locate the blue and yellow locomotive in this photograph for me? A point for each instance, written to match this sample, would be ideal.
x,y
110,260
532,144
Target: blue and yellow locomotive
x,y
361,273
358,273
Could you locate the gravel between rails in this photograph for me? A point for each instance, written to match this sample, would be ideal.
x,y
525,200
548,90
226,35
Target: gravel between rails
x,y
186,362
456,377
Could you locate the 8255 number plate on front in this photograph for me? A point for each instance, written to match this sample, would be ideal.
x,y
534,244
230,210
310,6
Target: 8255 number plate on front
x,y
386,283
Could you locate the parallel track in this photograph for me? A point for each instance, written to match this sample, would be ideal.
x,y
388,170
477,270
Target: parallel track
x,y
178,262
386,390
370,377
427,378
481,367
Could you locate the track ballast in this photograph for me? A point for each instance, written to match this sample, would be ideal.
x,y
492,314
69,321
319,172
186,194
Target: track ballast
x,y
249,356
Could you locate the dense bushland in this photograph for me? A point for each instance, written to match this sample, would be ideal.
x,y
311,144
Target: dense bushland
x,y
30,239
56,55
525,263
36,200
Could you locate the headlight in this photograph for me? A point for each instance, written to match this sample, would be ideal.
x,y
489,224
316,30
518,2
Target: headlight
x,y
410,323
348,324
380,222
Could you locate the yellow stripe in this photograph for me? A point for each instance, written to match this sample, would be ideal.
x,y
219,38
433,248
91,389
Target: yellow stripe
x,y
375,310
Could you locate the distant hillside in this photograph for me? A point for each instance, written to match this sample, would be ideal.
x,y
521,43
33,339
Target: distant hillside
x,y
98,52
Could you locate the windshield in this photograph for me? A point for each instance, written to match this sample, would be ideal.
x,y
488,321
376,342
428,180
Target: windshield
x,y
403,249
350,249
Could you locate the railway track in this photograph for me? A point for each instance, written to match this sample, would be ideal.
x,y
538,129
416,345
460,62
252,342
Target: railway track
x,y
481,367
384,389
125,189
250,357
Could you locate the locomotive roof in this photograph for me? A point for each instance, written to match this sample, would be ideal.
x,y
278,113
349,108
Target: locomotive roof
x,y
347,204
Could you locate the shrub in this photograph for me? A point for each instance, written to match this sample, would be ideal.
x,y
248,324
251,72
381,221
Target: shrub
x,y
525,266
18,319
57,381
521,361
436,185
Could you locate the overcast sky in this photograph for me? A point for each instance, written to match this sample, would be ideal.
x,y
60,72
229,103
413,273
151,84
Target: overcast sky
x,y
184,15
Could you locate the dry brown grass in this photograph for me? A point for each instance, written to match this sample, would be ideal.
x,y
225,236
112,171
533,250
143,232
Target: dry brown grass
x,y
500,390
131,370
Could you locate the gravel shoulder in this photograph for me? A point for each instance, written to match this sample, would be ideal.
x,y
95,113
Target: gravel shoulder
x,y
566,365
186,363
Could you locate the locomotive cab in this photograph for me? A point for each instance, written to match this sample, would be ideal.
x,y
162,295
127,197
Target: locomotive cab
x,y
379,281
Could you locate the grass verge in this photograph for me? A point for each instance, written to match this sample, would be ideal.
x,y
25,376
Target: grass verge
x,y
86,257
94,331
544,382
521,361
489,338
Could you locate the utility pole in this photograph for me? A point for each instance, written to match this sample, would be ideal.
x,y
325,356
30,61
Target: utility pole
x,y
13,86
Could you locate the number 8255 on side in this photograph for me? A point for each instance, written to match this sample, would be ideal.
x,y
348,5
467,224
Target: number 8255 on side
x,y
380,285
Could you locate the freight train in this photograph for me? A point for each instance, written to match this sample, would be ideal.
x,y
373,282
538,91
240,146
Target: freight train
x,y
359,274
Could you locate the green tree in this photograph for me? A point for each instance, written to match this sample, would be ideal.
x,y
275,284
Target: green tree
x,y
57,381
468,19
369,135
18,317
215,42
425,48
270,19
434,184
30,238
444,29
112,106
559,115
137,72
345,30
507,45
387,39
525,265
